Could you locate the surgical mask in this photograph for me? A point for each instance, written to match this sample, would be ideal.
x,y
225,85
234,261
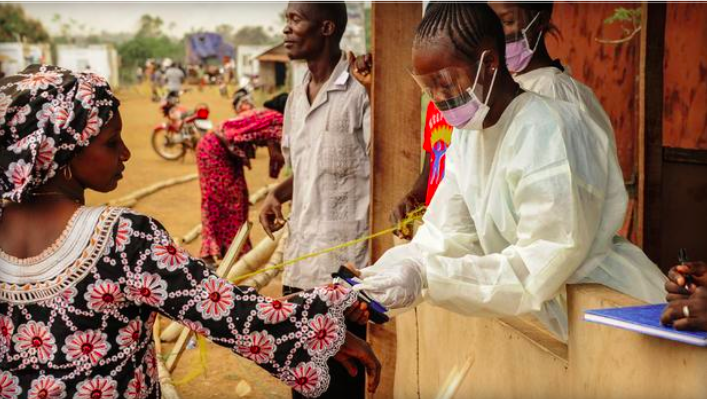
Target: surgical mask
x,y
519,53
457,99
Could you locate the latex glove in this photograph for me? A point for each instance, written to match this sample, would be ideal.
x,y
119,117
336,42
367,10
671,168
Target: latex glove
x,y
393,285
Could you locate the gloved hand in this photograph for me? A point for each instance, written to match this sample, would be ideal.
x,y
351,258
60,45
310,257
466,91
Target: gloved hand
x,y
392,284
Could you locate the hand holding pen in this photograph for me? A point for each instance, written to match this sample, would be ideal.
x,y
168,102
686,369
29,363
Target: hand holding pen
x,y
685,278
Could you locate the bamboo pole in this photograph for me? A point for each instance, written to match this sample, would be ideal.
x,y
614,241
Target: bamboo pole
x,y
169,391
172,332
261,280
261,193
224,268
255,258
192,234
132,198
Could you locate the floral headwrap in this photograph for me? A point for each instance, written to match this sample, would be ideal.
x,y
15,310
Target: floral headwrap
x,y
47,114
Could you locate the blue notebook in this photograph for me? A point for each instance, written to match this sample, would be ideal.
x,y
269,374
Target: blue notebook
x,y
644,320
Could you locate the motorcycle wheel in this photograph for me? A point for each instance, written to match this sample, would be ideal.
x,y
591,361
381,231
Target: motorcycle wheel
x,y
164,147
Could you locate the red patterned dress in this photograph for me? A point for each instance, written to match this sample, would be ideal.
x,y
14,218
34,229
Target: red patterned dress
x,y
224,192
76,321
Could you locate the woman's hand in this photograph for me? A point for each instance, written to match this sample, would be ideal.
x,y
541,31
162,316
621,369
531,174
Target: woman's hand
x,y
684,279
362,69
355,348
358,313
271,215
688,314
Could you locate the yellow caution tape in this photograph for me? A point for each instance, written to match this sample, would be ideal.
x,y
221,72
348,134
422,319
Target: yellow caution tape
x,y
197,371
403,226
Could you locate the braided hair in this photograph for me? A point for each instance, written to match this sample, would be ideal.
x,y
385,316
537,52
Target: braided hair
x,y
465,24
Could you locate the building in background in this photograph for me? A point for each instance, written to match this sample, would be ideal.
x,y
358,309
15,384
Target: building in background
x,y
246,63
98,58
14,57
273,64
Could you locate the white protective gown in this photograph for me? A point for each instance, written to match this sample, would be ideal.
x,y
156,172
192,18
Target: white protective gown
x,y
554,83
526,206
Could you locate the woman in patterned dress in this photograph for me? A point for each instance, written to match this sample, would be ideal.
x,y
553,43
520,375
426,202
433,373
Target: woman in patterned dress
x,y
80,286
221,156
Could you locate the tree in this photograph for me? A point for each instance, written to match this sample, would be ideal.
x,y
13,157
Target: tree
x,y
148,43
16,26
225,30
252,35
150,26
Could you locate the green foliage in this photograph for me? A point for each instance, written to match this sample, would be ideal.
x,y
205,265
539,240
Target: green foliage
x,y
15,25
148,42
150,26
225,30
621,14
630,23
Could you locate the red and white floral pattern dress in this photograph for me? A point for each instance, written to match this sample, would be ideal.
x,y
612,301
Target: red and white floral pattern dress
x,y
76,321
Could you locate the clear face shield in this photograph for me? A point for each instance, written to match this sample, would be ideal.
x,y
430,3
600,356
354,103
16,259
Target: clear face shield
x,y
456,93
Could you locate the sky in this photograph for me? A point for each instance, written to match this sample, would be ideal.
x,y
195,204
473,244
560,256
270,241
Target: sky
x,y
124,17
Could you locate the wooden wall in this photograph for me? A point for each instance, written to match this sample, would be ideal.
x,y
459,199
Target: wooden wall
x,y
610,70
513,358
685,79
683,199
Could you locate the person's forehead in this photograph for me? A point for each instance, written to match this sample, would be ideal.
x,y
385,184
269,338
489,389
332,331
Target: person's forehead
x,y
434,55
302,9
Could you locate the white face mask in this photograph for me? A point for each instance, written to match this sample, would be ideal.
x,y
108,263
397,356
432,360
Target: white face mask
x,y
480,110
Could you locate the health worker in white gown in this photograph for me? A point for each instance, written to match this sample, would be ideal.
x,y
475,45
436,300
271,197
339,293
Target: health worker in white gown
x,y
525,26
531,199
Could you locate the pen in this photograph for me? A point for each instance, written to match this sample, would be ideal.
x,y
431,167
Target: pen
x,y
682,258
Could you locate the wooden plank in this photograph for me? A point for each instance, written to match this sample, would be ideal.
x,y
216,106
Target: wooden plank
x,y
224,268
395,161
682,155
650,132
685,79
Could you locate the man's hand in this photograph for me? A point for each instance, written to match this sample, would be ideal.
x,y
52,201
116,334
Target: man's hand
x,y
357,349
688,314
406,205
277,160
271,215
362,69
684,279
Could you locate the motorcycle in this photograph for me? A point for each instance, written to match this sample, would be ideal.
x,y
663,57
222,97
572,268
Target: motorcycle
x,y
181,130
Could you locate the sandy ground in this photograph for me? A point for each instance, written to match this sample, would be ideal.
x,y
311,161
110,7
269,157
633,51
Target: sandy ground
x,y
178,208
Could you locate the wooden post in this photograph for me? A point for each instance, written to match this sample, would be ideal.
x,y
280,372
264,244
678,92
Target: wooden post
x,y
395,161
650,127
